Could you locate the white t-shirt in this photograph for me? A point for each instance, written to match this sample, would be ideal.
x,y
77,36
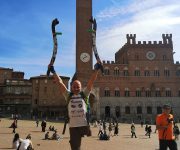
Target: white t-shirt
x,y
24,144
77,109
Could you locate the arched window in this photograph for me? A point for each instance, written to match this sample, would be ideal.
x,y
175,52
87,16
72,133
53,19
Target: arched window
x,y
166,72
149,110
106,92
156,72
126,92
168,92
125,72
148,92
137,72
157,92
127,110
146,72
116,71
116,92
139,110
138,92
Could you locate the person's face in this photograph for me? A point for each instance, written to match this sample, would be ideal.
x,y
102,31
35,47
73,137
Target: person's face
x,y
167,110
76,87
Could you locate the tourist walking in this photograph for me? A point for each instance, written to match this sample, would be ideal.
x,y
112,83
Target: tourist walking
x,y
133,133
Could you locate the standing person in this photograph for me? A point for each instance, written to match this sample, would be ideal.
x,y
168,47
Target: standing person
x,y
16,141
110,129
149,130
164,125
77,106
37,122
104,125
26,144
43,125
14,126
133,133
116,130
146,129
100,129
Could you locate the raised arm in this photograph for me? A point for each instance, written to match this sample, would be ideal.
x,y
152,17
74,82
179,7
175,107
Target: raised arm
x,y
58,80
60,83
93,77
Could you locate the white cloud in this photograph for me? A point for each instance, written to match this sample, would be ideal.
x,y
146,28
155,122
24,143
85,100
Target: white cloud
x,y
148,20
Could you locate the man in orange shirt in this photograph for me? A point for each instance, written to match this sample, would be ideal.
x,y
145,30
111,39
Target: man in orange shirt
x,y
164,124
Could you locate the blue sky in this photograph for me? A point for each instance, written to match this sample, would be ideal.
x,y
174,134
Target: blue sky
x,y
26,40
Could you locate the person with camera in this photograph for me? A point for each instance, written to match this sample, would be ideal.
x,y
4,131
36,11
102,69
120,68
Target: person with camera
x,y
164,125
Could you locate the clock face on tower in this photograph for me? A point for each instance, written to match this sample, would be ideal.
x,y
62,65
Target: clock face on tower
x,y
85,57
150,55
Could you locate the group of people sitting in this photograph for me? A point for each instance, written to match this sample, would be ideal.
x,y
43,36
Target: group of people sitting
x,y
104,136
55,136
51,128
22,144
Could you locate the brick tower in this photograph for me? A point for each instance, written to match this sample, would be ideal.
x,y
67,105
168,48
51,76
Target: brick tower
x,y
83,40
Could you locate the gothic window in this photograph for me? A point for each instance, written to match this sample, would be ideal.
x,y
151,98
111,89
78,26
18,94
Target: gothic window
x,y
156,73
138,92
148,93
125,72
168,92
149,110
127,110
166,72
137,72
157,93
116,92
106,71
146,73
106,92
116,71
139,110
126,92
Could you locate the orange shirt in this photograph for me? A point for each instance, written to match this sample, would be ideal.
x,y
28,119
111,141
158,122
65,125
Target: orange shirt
x,y
162,120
